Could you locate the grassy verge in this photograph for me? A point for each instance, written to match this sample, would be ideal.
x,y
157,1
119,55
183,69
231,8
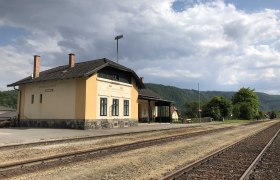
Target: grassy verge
x,y
238,121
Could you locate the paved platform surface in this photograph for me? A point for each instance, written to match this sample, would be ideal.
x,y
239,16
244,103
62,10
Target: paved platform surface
x,y
26,135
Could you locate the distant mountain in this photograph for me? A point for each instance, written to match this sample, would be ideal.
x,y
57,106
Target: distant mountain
x,y
181,96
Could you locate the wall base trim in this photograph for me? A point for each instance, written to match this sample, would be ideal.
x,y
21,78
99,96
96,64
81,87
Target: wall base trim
x,y
79,123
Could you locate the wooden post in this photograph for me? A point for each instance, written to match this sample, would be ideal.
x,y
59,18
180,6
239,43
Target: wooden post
x,y
170,115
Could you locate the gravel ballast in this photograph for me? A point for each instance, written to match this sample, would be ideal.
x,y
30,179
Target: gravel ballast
x,y
150,162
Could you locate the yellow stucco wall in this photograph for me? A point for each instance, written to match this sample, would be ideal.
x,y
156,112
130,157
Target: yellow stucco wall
x,y
115,90
90,98
21,98
77,99
134,100
80,98
175,115
58,100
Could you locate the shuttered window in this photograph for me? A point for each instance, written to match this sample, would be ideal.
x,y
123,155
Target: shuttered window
x,y
115,107
126,107
103,106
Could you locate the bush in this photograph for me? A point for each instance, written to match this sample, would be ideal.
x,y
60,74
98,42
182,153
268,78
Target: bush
x,y
243,111
272,115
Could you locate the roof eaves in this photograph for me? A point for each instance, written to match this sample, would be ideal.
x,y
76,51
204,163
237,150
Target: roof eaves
x,y
154,98
95,70
37,81
119,67
16,84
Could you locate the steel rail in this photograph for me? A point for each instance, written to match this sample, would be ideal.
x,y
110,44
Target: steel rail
x,y
77,139
117,148
257,160
199,162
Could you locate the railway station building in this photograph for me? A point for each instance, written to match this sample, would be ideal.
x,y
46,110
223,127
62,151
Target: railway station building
x,y
87,95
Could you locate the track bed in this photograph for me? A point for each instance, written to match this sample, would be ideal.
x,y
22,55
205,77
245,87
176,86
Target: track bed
x,y
232,162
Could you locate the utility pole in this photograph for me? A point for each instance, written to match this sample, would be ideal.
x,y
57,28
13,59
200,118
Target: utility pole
x,y
199,110
117,38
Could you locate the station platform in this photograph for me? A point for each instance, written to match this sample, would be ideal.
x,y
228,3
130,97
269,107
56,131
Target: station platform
x,y
9,136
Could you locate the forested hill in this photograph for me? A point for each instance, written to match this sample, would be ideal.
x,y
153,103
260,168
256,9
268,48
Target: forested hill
x,y
181,96
8,99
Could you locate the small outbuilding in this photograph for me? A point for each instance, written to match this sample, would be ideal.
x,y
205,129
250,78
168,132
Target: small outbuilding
x,y
174,113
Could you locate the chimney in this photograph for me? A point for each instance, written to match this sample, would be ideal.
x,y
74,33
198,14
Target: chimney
x,y
142,79
71,60
36,69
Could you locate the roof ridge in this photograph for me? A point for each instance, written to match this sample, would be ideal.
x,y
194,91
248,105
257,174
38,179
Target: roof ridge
x,y
81,69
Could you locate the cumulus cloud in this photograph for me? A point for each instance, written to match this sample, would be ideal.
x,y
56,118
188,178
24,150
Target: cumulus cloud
x,y
13,65
211,42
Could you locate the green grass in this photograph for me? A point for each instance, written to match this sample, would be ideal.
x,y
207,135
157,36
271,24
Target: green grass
x,y
238,121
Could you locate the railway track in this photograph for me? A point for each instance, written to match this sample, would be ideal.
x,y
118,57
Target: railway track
x,y
79,139
267,165
19,168
235,161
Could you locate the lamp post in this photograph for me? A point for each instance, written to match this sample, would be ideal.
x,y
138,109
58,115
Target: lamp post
x,y
199,110
117,38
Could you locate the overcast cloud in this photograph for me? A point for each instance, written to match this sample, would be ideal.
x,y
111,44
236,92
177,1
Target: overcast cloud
x,y
210,42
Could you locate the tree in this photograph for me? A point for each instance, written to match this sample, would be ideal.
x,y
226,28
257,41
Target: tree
x,y
192,109
8,99
245,104
217,108
272,115
262,115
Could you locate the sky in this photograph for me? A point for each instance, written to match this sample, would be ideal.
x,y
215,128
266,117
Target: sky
x,y
223,45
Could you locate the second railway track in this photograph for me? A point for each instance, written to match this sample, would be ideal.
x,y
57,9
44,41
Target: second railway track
x,y
231,162
267,166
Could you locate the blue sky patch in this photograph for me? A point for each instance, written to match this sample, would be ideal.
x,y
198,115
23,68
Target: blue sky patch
x,y
179,5
245,5
9,34
254,5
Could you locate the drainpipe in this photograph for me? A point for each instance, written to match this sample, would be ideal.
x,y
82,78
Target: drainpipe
x,y
19,105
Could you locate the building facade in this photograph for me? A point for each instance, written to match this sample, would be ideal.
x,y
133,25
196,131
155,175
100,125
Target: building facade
x,y
87,95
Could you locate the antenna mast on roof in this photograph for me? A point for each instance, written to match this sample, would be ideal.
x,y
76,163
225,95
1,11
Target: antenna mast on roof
x,y
117,38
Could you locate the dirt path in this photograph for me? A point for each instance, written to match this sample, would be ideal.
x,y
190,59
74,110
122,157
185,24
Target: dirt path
x,y
150,162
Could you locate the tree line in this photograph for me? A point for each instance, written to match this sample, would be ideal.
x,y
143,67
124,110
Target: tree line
x,y
243,105
8,99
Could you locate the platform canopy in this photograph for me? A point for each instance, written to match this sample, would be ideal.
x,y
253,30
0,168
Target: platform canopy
x,y
158,108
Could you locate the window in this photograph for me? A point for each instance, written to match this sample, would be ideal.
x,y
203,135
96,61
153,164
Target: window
x,y
116,77
103,106
126,107
115,107
41,98
115,124
126,123
32,98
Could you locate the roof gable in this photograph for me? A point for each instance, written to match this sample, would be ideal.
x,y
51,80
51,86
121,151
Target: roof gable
x,y
82,69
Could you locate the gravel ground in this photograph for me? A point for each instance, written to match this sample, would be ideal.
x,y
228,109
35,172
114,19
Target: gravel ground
x,y
20,154
151,162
